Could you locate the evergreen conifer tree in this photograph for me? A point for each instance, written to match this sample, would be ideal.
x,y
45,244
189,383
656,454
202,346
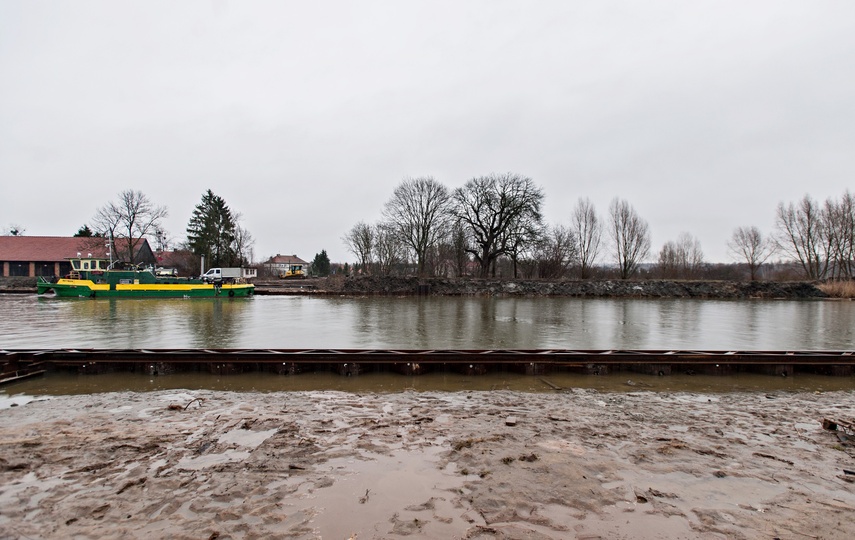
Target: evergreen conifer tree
x,y
211,231
321,264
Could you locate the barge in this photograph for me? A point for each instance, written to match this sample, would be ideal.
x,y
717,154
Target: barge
x,y
94,277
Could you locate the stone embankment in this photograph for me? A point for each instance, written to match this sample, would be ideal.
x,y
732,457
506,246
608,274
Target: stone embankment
x,y
20,285
398,286
587,289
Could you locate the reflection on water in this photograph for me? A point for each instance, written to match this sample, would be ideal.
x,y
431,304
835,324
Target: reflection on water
x,y
120,323
426,323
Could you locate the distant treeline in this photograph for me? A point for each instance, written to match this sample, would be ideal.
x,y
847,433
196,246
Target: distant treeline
x,y
493,226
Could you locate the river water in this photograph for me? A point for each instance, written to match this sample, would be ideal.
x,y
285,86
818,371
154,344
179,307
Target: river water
x,y
30,322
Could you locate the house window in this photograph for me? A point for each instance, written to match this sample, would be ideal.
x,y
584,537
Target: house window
x,y
19,269
44,268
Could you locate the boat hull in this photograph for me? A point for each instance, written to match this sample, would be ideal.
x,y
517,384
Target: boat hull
x,y
74,288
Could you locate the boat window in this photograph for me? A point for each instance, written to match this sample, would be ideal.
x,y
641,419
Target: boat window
x,y
86,265
75,265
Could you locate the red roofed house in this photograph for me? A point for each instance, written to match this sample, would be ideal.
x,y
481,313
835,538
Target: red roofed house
x,y
48,255
286,266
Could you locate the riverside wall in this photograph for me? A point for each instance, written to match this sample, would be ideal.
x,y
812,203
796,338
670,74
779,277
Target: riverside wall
x,y
390,285
400,285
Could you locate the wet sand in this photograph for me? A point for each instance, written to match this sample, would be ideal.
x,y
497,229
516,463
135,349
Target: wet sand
x,y
475,465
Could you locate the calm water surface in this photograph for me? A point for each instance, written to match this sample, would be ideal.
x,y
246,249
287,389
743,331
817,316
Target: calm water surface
x,y
29,322
425,323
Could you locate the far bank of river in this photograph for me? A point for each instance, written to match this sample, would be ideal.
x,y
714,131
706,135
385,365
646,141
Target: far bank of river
x,y
409,285
577,288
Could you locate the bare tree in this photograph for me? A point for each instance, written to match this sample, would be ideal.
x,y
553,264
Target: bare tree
x,y
360,241
801,234
587,231
555,253
521,240
129,220
451,256
389,251
630,237
451,253
691,256
493,210
668,265
419,213
460,251
681,259
839,224
748,244
243,243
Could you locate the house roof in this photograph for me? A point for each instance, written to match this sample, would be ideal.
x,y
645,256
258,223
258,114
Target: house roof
x,y
50,248
172,258
286,259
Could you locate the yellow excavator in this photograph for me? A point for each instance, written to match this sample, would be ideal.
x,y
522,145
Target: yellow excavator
x,y
292,271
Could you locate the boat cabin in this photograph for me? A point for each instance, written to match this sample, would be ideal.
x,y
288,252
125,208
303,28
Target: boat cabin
x,y
92,266
89,265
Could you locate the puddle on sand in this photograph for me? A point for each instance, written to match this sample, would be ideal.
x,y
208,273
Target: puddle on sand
x,y
402,493
7,402
245,437
686,493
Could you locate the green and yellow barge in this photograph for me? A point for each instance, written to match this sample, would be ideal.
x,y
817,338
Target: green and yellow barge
x,y
99,278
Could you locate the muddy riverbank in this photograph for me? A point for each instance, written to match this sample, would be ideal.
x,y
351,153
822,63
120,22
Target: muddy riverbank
x,y
475,465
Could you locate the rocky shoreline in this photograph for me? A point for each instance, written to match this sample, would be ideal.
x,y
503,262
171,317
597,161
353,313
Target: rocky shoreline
x,y
585,289
408,285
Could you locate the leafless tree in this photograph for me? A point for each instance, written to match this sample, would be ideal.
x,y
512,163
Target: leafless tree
x,y
630,237
748,244
691,255
243,243
419,213
587,231
460,252
389,251
681,259
801,234
129,220
451,253
668,264
555,253
360,241
839,224
451,256
493,211
522,240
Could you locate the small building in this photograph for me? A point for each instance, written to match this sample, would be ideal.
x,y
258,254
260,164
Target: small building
x,y
30,256
286,266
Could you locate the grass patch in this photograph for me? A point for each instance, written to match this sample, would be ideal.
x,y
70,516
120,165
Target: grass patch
x,y
838,289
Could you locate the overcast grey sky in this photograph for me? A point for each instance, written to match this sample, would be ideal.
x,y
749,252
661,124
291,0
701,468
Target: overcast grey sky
x,y
304,116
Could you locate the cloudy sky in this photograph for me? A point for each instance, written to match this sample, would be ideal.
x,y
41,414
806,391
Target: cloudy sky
x,y
304,116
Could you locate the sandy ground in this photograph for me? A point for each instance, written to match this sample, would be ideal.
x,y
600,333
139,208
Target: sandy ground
x,y
480,465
